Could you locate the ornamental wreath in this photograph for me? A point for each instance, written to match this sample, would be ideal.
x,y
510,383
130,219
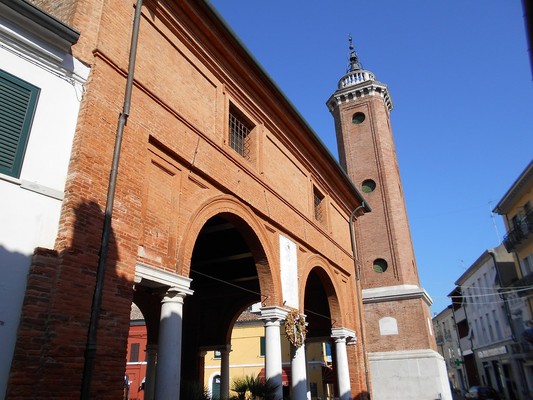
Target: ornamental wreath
x,y
295,328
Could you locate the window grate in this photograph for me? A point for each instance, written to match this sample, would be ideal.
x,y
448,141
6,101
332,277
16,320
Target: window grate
x,y
319,206
238,135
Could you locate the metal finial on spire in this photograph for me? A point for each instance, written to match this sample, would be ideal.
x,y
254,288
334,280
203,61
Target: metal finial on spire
x,y
354,60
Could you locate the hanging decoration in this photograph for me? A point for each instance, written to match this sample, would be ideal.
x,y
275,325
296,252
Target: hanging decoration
x,y
295,328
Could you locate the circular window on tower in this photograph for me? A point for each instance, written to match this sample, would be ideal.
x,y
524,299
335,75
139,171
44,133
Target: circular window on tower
x,y
368,186
358,118
380,265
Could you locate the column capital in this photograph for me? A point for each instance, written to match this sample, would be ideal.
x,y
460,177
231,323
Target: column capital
x,y
343,334
157,278
175,295
225,348
273,314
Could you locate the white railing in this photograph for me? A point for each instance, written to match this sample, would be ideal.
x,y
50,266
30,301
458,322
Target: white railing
x,y
355,77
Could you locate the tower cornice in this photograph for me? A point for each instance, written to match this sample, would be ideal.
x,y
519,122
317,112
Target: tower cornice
x,y
358,84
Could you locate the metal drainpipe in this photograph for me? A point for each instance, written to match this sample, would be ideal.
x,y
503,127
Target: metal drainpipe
x,y
358,288
90,348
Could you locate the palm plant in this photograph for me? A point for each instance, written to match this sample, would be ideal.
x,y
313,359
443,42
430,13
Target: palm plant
x,y
240,386
253,388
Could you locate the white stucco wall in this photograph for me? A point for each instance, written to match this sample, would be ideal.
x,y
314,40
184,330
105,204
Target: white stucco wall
x,y
31,204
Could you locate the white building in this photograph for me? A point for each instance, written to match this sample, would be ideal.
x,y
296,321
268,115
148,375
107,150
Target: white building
x,y
41,87
488,311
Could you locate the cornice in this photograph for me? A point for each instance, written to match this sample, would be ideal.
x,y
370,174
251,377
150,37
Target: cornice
x,y
395,293
39,23
360,90
520,186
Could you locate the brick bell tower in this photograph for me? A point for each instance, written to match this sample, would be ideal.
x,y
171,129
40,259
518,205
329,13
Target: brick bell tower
x,y
399,337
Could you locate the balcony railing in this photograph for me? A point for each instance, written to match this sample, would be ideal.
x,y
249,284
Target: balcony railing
x,y
526,281
519,233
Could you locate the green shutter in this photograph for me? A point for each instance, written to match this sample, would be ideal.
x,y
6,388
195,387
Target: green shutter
x,y
18,100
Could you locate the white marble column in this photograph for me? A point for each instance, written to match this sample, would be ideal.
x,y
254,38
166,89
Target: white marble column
x,y
272,316
298,373
341,337
149,383
224,372
167,383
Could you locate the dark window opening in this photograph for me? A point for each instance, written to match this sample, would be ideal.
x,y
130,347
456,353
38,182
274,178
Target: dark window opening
x,y
318,200
134,352
380,265
368,186
262,346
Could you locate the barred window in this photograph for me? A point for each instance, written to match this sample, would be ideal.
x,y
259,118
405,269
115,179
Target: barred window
x,y
318,205
239,132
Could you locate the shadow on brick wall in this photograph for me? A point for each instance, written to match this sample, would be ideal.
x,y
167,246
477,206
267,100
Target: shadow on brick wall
x,y
50,351
13,271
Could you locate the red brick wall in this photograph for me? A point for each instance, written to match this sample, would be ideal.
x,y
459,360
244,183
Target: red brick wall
x,y
176,171
370,154
413,328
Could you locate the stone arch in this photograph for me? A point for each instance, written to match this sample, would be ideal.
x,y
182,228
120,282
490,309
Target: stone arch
x,y
316,265
253,232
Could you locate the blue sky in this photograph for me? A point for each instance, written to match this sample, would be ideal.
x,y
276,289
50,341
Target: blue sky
x,y
459,76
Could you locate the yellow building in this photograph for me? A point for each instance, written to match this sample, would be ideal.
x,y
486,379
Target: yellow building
x,y
247,358
516,207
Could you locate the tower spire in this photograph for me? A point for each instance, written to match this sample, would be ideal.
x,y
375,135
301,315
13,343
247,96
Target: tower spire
x,y
354,63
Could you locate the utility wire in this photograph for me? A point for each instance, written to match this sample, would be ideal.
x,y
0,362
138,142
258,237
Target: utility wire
x,y
495,293
254,292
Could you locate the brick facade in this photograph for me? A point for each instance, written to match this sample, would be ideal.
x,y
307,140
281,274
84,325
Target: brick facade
x,y
178,175
399,339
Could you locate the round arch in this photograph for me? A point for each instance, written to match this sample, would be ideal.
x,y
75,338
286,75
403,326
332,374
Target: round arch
x,y
253,232
318,271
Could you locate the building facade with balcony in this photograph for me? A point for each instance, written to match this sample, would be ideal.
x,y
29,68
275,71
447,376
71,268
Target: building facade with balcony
x,y
516,208
491,305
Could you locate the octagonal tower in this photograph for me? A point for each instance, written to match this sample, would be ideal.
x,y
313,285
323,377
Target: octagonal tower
x,y
398,331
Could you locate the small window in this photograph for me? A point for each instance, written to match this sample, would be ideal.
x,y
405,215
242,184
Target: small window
x,y
262,346
527,265
380,265
327,347
239,133
318,200
134,352
358,118
368,186
217,355
18,101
